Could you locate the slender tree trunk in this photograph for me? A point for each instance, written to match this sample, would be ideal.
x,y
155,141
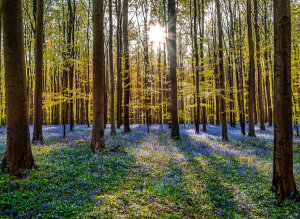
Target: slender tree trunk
x,y
106,82
173,66
196,56
258,64
112,81
222,77
98,138
126,68
70,63
38,95
119,64
160,86
231,65
251,73
204,118
240,77
283,178
87,106
267,65
18,155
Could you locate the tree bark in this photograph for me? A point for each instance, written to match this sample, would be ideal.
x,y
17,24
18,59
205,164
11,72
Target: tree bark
x,y
38,95
112,81
126,67
173,66
87,105
18,155
240,77
98,138
196,56
267,65
283,179
222,76
119,64
204,118
251,73
258,64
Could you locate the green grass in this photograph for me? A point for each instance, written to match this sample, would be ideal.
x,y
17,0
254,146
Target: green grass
x,y
195,177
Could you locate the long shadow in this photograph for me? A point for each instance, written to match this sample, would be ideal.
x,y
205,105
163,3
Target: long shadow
x,y
242,176
67,180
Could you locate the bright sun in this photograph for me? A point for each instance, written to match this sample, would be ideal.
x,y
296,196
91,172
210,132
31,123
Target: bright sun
x,y
157,35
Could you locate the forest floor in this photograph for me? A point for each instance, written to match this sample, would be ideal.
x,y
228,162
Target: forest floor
x,y
154,176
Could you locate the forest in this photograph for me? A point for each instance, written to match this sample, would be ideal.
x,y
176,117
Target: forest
x,y
149,109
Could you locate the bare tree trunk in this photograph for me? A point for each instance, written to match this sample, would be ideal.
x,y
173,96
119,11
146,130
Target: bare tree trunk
x,y
112,81
87,105
38,95
283,178
267,65
119,64
196,56
98,138
260,93
160,86
222,77
204,118
173,66
251,73
126,68
240,77
18,155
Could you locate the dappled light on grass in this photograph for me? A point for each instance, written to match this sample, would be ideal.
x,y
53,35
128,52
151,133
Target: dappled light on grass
x,y
153,156
195,177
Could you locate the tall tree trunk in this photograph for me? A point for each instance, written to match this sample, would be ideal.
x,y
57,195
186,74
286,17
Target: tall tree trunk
x,y
98,138
18,155
160,86
112,81
196,56
173,66
267,65
240,77
283,178
106,82
231,66
222,77
38,95
126,68
119,64
217,84
70,61
251,73
204,118
258,64
147,70
87,106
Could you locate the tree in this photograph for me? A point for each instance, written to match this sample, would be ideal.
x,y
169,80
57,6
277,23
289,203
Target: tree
x,y
18,155
126,67
240,76
112,81
196,55
98,138
258,64
119,64
283,179
251,73
70,59
204,119
38,95
173,66
222,75
267,64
